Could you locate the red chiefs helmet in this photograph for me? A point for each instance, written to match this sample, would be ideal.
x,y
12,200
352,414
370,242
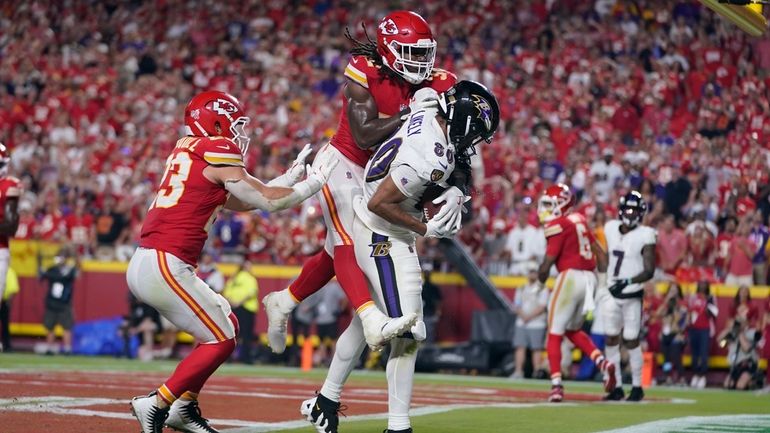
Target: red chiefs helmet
x,y
556,201
5,159
406,45
212,108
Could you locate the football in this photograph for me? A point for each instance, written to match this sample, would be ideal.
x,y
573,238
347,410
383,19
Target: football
x,y
429,210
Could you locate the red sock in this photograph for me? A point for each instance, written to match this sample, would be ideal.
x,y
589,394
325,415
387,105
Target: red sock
x,y
350,276
584,343
194,371
316,272
553,347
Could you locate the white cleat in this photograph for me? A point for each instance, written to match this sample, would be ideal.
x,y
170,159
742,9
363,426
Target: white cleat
x,y
277,319
149,415
185,416
379,328
419,332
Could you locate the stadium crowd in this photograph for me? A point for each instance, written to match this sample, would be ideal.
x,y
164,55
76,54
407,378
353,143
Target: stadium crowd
x,y
603,95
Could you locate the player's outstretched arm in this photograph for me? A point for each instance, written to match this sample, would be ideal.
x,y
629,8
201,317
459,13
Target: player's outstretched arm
x,y
366,126
249,193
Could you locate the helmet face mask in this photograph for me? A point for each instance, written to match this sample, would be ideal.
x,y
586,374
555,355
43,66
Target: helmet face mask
x,y
413,62
240,135
5,160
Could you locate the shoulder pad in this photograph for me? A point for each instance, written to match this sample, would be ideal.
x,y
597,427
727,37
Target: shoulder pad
x,y
12,187
217,151
427,157
442,80
360,69
552,229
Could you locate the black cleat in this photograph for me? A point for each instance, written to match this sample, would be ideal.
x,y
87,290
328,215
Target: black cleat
x,y
322,413
149,415
616,394
185,416
636,394
409,430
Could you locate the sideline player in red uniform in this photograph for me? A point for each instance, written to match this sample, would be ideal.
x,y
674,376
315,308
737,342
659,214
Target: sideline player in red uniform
x,y
572,247
10,190
382,77
204,173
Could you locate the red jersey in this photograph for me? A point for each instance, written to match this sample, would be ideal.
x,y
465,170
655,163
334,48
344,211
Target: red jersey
x,y
569,240
52,226
79,228
26,228
390,94
10,188
187,203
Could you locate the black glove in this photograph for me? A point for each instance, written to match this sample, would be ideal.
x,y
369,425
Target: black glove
x,y
616,289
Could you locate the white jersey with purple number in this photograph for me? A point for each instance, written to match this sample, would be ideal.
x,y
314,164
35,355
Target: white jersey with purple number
x,y
415,157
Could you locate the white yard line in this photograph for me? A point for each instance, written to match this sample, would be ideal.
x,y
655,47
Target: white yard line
x,y
694,424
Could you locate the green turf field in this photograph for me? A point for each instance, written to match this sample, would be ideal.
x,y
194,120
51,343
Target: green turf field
x,y
568,417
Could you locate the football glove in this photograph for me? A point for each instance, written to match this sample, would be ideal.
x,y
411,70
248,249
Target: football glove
x,y
616,289
454,198
443,228
295,172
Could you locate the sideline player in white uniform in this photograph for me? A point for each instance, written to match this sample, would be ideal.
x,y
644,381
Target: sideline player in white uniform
x,y
631,252
388,220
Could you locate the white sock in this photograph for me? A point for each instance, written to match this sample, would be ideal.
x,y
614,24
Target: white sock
x,y
400,373
556,380
636,360
613,355
286,301
349,347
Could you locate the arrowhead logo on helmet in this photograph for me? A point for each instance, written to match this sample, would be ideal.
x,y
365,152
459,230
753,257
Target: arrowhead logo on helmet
x,y
388,27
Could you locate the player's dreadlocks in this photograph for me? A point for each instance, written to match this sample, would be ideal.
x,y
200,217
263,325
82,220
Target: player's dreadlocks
x,y
368,49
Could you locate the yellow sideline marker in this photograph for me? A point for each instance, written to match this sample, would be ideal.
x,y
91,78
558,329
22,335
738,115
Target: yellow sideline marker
x,y
749,18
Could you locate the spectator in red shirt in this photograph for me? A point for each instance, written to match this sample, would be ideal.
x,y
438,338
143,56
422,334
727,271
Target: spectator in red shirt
x,y
81,230
52,227
703,311
740,271
723,243
672,246
650,320
27,224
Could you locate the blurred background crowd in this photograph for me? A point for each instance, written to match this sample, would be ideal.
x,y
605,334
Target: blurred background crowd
x,y
604,95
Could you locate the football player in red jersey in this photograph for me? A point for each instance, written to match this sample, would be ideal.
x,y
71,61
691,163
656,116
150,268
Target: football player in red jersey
x,y
10,190
573,248
204,173
381,80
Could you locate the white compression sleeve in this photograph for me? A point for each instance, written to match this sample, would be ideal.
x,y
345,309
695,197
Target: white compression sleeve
x,y
256,200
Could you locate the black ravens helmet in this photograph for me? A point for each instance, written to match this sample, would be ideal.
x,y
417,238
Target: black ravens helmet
x,y
472,114
632,209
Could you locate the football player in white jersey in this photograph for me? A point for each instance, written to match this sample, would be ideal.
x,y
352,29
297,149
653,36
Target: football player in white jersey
x,y
389,217
631,253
